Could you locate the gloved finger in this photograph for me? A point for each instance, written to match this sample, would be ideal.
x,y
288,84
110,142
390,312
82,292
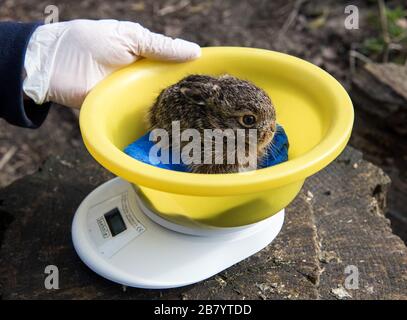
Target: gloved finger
x,y
157,46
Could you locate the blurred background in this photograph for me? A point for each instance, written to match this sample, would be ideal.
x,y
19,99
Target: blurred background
x,y
370,61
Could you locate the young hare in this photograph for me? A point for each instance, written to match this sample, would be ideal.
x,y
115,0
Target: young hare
x,y
204,102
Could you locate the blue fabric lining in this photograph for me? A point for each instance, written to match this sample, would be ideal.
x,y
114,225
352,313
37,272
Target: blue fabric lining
x,y
277,152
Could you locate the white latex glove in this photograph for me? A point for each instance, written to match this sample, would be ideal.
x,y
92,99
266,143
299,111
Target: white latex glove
x,y
65,60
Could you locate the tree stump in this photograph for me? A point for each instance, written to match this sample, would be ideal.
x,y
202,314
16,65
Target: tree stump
x,y
381,90
336,221
379,93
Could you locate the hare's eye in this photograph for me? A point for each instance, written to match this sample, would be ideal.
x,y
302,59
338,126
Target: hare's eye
x,y
248,120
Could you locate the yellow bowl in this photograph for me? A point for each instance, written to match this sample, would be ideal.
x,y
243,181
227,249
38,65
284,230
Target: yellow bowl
x,y
314,109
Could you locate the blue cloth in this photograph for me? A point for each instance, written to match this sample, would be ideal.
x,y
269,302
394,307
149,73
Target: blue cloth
x,y
140,149
14,38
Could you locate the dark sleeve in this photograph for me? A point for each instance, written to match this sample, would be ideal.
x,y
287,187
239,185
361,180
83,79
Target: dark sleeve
x,y
14,38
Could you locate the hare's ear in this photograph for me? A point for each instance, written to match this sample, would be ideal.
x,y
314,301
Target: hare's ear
x,y
194,95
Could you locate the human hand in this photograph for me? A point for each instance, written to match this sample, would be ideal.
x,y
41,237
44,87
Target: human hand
x,y
65,60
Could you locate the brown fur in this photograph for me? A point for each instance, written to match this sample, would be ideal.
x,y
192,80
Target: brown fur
x,y
205,102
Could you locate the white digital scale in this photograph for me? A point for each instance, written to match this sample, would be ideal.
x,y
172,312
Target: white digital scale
x,y
122,240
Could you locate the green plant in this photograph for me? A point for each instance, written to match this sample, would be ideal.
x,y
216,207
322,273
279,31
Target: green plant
x,y
392,34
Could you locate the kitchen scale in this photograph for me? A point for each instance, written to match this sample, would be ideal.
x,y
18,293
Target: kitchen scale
x,y
120,238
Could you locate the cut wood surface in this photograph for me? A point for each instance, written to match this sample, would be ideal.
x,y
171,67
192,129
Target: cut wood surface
x,y
336,221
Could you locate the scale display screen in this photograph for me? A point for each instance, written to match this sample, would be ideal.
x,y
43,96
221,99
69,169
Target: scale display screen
x,y
115,221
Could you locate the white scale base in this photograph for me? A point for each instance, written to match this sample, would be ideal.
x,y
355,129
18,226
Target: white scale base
x,y
133,246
